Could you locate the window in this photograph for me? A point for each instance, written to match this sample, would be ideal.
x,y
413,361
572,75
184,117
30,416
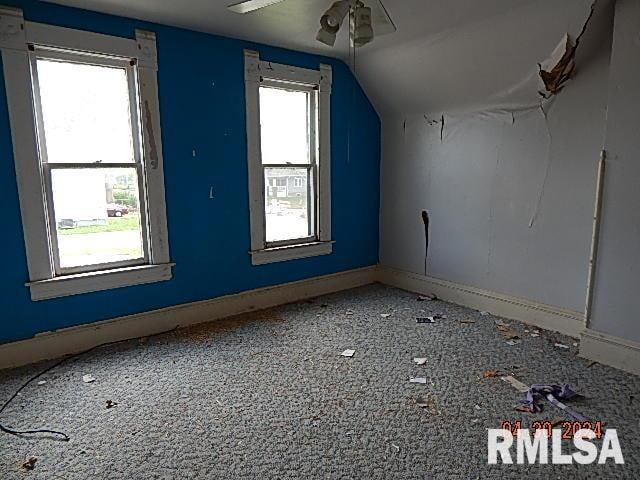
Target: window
x,y
93,176
289,160
88,159
287,136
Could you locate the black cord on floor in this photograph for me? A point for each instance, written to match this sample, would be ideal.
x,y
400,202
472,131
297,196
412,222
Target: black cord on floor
x,y
57,435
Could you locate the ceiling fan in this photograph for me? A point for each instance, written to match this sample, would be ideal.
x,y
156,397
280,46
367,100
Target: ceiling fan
x,y
367,18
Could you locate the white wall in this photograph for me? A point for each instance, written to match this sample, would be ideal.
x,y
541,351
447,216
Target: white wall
x,y
482,182
616,307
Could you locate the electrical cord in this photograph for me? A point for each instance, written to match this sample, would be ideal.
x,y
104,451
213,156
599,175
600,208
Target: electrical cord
x,y
56,434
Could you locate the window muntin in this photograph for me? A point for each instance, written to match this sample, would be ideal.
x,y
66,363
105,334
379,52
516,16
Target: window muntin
x,y
288,126
86,110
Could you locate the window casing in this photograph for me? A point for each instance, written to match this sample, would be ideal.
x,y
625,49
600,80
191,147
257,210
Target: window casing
x,y
51,169
289,186
64,163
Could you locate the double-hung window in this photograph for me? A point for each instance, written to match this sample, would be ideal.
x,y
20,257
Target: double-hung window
x,y
85,127
87,123
289,160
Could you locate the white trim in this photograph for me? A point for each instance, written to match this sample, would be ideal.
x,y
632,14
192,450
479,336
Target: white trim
x,y
98,280
324,154
16,39
152,147
254,160
610,350
288,73
561,320
11,29
17,79
255,72
49,345
290,252
82,40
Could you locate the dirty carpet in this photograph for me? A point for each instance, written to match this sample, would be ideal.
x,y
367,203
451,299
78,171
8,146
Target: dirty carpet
x,y
269,395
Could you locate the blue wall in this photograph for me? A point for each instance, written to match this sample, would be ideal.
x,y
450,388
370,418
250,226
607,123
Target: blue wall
x,y
202,105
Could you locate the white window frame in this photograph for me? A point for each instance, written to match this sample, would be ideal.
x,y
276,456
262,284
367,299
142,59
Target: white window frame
x,y
17,39
259,72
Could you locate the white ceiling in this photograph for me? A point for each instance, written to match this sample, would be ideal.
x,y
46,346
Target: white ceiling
x,y
445,54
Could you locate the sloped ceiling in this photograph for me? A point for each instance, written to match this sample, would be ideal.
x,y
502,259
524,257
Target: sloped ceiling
x,y
446,54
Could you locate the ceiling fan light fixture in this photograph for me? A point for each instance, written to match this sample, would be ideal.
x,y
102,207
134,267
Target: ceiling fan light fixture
x,y
326,37
331,21
362,28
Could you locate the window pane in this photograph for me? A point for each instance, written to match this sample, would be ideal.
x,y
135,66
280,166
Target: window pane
x,y
97,215
286,208
284,123
85,110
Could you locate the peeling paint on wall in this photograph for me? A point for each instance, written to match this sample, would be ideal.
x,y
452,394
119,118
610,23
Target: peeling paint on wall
x,y
153,149
560,67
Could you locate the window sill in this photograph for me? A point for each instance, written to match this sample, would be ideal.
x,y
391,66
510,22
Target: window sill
x,y
290,252
101,280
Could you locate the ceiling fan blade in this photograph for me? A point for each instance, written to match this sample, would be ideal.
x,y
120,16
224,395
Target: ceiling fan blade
x,y
251,5
382,21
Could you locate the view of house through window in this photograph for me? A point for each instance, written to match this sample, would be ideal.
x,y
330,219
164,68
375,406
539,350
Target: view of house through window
x,y
92,170
288,160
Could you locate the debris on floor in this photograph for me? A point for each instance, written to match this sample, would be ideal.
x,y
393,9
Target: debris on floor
x,y
553,394
561,345
490,374
348,353
427,298
431,319
515,383
506,330
417,380
88,378
385,315
483,313
513,342
420,361
424,401
535,335
29,463
396,447
425,320
42,382
427,402
111,404
467,320
203,332
349,312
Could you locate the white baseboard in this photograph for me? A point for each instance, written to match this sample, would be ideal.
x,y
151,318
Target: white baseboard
x,y
48,345
540,315
610,350
597,346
